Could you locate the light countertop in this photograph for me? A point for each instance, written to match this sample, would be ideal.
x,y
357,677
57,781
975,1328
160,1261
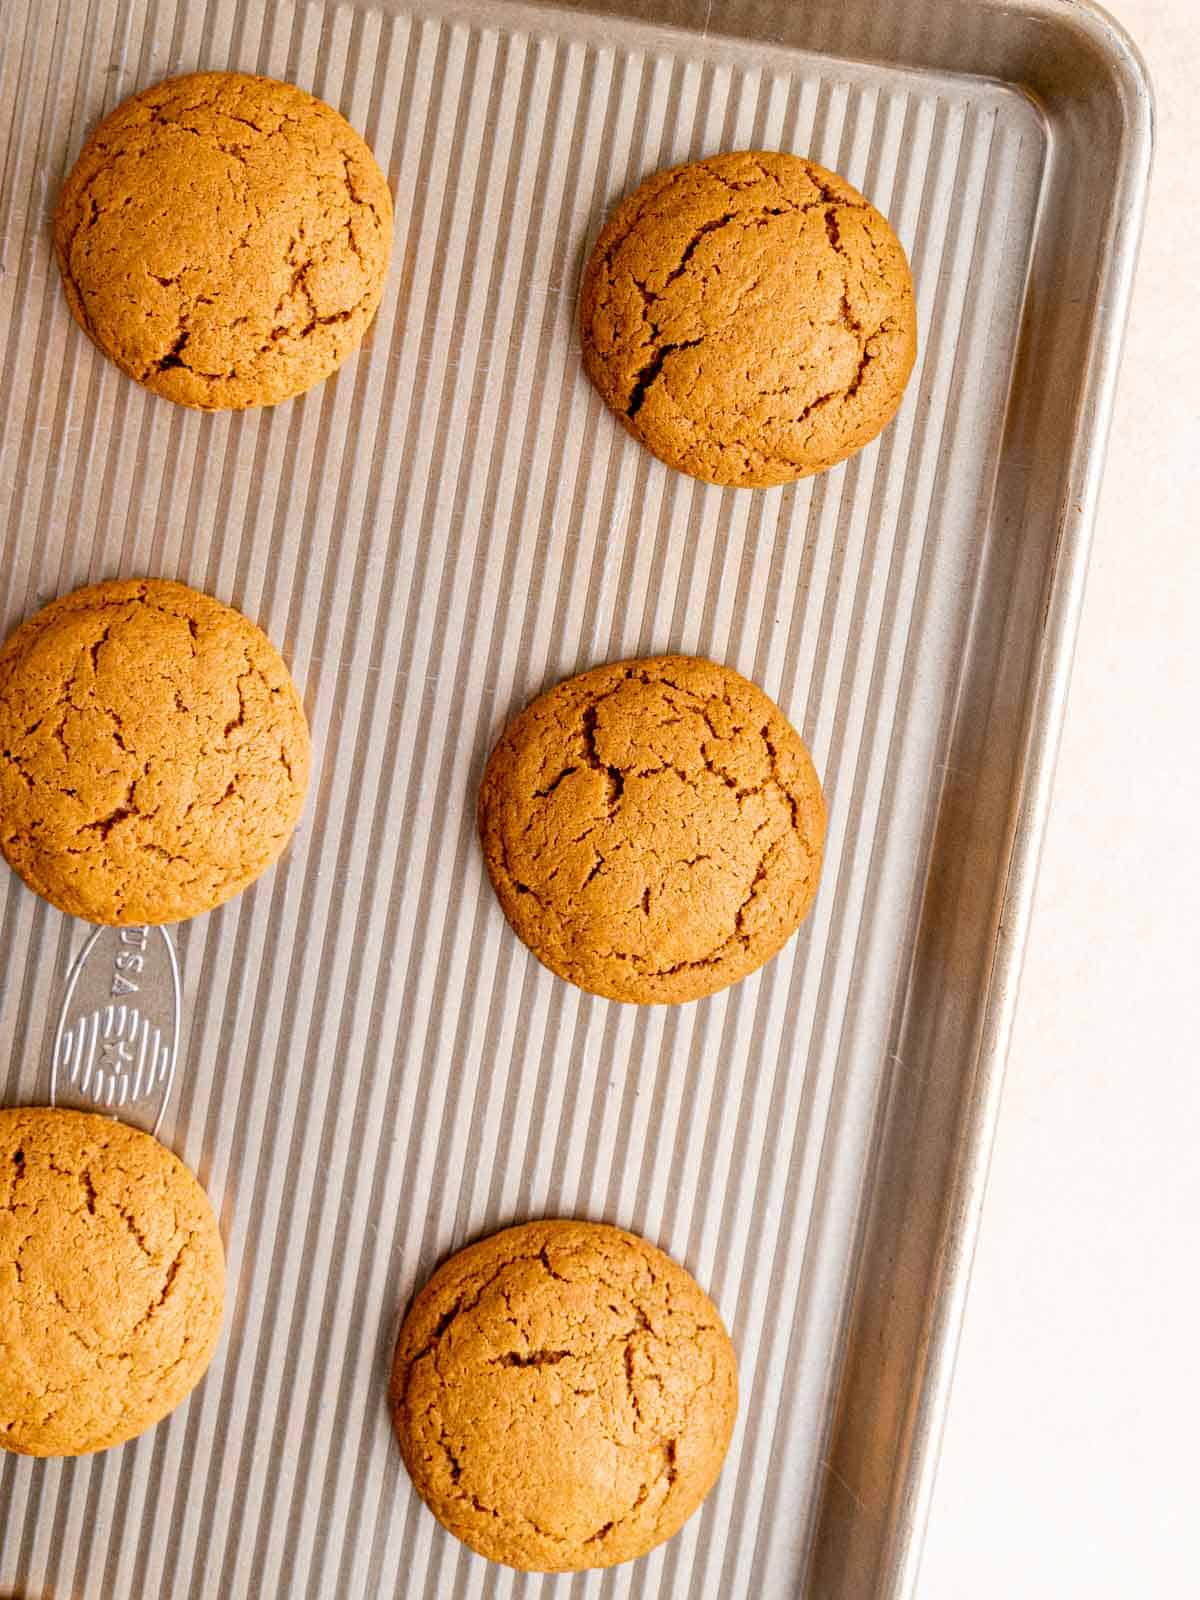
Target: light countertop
x,y
1069,1461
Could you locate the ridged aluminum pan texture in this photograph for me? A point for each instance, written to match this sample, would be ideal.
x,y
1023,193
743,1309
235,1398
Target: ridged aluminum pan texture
x,y
372,1069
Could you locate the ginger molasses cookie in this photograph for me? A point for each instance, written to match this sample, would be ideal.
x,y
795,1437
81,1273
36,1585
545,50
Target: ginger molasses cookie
x,y
749,318
112,1282
225,239
153,752
653,829
564,1394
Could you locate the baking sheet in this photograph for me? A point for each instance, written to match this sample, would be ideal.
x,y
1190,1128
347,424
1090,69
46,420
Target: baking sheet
x,y
371,1070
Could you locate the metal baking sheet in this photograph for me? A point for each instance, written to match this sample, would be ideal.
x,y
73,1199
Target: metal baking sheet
x,y
370,1069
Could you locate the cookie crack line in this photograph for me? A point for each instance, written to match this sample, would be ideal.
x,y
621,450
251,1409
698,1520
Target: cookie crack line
x,y
791,286
535,1358
463,1307
651,371
639,203
280,334
613,774
669,1471
701,868
329,175
616,778
129,1363
666,1382
466,1497
129,834
754,217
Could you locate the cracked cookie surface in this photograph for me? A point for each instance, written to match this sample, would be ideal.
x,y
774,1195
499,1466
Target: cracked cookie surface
x,y
224,239
153,752
564,1395
750,318
653,829
112,1282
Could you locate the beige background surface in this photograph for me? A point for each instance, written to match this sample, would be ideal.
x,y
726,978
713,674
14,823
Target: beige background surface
x,y
1069,1466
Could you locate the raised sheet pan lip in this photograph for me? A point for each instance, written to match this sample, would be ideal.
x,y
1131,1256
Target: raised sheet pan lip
x,y
1117,72
1116,54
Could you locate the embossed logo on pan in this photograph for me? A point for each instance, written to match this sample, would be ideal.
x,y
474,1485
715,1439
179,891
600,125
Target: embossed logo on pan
x,y
118,1031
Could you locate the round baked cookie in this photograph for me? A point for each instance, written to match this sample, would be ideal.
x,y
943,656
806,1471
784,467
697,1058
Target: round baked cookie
x,y
653,829
564,1394
112,1282
750,318
153,752
224,239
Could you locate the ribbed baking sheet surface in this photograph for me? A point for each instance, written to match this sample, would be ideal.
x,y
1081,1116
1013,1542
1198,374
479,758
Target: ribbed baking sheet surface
x,y
373,1070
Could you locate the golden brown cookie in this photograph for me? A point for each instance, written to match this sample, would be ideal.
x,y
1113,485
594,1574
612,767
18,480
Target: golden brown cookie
x,y
153,752
749,318
225,239
564,1395
112,1282
653,829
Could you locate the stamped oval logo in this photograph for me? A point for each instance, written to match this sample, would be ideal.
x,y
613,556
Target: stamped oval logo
x,y
118,1031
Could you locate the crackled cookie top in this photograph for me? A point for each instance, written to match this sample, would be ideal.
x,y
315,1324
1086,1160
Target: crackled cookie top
x,y
653,829
750,318
564,1394
112,1282
153,752
225,239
